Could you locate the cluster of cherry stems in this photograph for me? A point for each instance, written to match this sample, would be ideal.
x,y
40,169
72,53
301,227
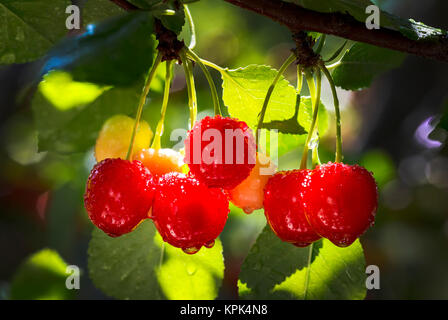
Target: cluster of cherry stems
x,y
188,201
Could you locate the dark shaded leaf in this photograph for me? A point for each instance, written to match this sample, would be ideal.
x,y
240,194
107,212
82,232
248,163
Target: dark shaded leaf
x,y
363,63
29,28
117,51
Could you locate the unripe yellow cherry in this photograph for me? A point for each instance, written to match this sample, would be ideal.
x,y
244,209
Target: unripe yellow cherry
x,y
248,195
160,161
115,136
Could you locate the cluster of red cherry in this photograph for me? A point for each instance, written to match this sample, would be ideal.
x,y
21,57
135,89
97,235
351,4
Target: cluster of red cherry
x,y
335,201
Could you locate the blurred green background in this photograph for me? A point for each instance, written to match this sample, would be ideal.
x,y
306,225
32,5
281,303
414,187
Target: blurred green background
x,y
386,128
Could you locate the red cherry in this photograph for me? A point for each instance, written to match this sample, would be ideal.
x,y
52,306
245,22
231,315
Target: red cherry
x,y
340,202
118,196
187,213
283,207
207,157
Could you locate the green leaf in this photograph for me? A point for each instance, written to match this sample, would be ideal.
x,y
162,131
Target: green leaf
x,y
363,63
64,93
192,277
173,22
380,164
287,142
41,277
144,4
29,28
128,267
356,8
71,125
276,270
98,10
117,51
244,90
287,126
418,30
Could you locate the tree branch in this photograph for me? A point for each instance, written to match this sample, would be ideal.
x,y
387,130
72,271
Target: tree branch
x,y
297,18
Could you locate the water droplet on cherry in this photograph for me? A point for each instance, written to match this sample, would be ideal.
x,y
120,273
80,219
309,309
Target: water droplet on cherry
x,y
191,250
210,244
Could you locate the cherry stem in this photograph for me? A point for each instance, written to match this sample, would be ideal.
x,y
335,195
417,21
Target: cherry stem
x,y
299,79
336,54
315,98
192,100
337,113
321,43
334,65
192,27
315,160
308,270
142,101
214,92
271,88
214,66
166,93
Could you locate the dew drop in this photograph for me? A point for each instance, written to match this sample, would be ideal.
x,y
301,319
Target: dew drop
x,y
210,244
314,142
191,269
301,244
248,210
191,250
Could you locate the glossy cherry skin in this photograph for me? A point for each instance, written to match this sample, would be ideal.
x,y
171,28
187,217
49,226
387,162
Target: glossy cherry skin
x,y
215,157
119,195
187,213
283,207
160,161
340,202
249,194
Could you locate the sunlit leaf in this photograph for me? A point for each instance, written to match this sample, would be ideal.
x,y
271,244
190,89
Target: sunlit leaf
x,y
197,276
277,270
244,90
76,129
133,267
64,93
42,277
